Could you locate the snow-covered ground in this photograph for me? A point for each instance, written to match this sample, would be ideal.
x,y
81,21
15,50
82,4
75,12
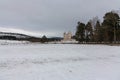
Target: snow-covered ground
x,y
59,62
13,42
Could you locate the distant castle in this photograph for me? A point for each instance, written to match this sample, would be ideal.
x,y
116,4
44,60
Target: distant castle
x,y
67,39
67,36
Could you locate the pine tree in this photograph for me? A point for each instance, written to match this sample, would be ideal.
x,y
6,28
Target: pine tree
x,y
44,39
109,24
98,33
89,32
80,32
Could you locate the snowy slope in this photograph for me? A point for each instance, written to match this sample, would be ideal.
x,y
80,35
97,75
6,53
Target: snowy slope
x,y
59,62
20,31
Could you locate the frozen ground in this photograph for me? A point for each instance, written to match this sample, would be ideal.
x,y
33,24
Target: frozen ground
x,y
59,62
13,42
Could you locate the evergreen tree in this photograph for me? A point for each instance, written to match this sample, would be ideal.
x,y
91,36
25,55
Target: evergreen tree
x,y
44,39
80,32
109,24
99,32
89,32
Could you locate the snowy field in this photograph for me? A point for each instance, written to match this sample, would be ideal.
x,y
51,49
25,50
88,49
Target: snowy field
x,y
59,62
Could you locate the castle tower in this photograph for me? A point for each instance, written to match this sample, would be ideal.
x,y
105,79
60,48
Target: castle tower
x,y
67,36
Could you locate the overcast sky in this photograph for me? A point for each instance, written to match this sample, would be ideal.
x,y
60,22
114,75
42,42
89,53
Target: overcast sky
x,y
52,16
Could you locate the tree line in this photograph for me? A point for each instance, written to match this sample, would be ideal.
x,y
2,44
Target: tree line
x,y
107,31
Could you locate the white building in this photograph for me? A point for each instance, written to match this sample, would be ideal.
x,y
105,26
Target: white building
x,y
67,36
